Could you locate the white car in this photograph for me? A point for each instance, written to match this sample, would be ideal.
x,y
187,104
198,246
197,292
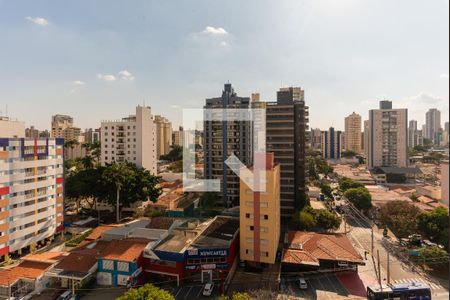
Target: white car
x,y
208,289
302,283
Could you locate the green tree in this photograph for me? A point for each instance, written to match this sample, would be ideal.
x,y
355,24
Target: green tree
x,y
96,151
236,296
327,220
435,224
117,174
400,217
348,153
306,219
147,292
326,190
433,255
347,183
175,154
71,144
360,197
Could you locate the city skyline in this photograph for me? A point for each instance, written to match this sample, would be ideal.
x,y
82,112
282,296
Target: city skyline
x,y
95,66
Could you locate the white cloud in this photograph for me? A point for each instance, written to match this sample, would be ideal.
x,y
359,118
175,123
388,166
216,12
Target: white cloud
x,y
425,98
210,30
174,106
38,21
223,44
444,76
126,75
78,82
106,77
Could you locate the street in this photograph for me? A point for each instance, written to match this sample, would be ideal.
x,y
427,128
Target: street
x,y
400,269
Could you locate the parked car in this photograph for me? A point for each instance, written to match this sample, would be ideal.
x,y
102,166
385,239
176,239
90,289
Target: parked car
x,y
67,295
208,289
302,283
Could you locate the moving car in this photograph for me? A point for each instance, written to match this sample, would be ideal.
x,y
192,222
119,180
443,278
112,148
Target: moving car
x,y
302,283
208,289
65,296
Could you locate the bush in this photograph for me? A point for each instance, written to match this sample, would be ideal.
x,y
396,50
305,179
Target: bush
x,y
147,292
347,183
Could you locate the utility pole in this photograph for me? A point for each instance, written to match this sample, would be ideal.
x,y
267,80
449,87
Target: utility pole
x,y
73,286
379,267
371,229
345,223
388,269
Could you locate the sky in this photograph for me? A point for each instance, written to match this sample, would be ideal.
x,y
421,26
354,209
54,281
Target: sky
x,y
97,60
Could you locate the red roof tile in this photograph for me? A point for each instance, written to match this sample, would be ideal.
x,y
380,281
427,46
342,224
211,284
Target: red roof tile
x,y
26,269
125,250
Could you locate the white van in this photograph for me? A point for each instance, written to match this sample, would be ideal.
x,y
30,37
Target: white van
x,y
302,283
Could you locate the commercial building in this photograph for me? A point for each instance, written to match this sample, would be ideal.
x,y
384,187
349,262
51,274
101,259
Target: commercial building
x,y
433,125
444,181
353,133
260,214
63,127
195,251
387,137
131,139
332,144
10,128
163,135
415,137
286,126
223,138
31,192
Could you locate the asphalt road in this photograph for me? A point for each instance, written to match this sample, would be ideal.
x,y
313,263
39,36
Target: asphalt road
x,y
189,292
323,287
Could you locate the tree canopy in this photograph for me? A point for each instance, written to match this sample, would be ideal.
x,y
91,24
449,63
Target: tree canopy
x,y
147,292
435,224
310,218
175,154
347,183
236,296
400,217
348,153
360,197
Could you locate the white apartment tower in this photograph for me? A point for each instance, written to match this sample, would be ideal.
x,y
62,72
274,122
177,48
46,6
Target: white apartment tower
x,y
131,139
388,137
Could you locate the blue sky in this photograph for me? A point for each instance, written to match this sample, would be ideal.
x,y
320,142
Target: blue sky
x,y
96,60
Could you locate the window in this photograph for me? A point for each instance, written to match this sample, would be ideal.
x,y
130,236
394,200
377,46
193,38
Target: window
x,y
248,251
123,266
264,242
250,227
248,203
264,254
249,216
265,217
264,204
249,240
108,264
264,229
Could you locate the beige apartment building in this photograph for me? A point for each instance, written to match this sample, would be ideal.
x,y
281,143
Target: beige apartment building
x,y
388,137
163,135
352,137
62,127
178,137
132,139
10,128
260,215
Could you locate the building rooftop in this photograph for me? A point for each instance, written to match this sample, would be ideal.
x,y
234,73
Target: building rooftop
x,y
77,264
219,232
26,270
99,230
310,247
161,223
48,257
124,250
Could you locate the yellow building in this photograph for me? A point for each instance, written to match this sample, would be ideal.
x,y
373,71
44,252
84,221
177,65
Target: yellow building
x,y
260,215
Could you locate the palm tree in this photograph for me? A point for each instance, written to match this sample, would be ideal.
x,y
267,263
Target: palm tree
x,y
87,161
87,147
96,151
71,144
117,174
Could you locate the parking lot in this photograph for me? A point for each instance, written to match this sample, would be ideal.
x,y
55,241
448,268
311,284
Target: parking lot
x,y
194,292
323,287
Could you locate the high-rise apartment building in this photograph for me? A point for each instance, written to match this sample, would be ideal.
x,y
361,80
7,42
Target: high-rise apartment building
x,y
163,135
260,214
353,133
32,132
92,136
286,126
178,137
31,192
131,139
415,137
316,139
10,128
366,139
388,137
433,125
332,144
224,138
62,127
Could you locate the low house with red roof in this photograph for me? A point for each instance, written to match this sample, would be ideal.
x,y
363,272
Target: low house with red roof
x,y
309,251
120,264
23,280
